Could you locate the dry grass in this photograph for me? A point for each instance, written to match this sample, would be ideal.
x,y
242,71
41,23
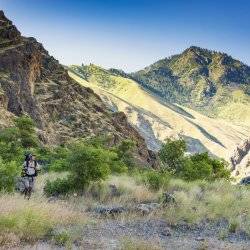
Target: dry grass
x,y
136,244
129,192
29,221
200,200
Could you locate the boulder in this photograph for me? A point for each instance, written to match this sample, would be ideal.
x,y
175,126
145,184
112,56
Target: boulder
x,y
168,198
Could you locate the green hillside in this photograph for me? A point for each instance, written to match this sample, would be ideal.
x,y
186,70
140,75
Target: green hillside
x,y
208,81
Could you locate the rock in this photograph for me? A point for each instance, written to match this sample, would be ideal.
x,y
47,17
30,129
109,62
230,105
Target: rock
x,y
167,233
168,198
103,210
147,208
239,153
199,239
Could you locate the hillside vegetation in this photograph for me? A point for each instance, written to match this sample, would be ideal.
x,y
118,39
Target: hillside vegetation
x,y
208,81
89,194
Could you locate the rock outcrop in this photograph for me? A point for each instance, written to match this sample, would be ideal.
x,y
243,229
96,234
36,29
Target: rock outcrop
x,y
35,83
240,159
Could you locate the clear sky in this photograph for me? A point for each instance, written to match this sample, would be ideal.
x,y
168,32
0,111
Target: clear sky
x,y
131,34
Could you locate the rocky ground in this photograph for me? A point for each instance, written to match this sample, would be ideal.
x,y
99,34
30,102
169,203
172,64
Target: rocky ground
x,y
111,233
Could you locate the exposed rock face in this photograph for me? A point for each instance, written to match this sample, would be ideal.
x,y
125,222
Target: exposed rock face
x,y
240,152
240,160
33,82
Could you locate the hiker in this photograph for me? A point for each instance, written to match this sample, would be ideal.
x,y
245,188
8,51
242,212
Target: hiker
x,y
30,168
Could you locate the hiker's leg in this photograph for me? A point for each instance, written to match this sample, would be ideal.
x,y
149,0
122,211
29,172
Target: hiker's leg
x,y
26,185
25,192
31,185
29,193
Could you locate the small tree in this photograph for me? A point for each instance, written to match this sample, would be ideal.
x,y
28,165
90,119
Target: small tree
x,y
172,154
198,166
89,164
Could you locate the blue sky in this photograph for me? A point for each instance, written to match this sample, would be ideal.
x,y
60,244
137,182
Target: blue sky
x,y
131,34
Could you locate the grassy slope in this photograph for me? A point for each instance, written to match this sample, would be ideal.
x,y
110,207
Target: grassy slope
x,y
63,221
157,120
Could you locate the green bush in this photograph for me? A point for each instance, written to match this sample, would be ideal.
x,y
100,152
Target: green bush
x,y
8,173
172,154
85,164
206,167
10,145
58,187
14,141
198,166
26,130
156,180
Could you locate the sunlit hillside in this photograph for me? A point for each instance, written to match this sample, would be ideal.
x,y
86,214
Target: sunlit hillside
x,y
155,119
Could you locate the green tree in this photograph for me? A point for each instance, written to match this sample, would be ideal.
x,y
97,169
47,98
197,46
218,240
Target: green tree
x,y
197,166
88,163
85,164
172,154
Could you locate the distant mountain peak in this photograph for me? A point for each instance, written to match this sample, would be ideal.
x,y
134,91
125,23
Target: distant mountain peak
x,y
206,80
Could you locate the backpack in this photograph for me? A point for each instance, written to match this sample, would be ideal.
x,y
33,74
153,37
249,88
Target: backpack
x,y
27,170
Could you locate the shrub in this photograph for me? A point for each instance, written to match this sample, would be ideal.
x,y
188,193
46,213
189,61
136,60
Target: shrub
x,y
8,174
172,154
15,140
208,168
156,180
62,238
198,166
10,145
58,186
88,163
26,130
85,164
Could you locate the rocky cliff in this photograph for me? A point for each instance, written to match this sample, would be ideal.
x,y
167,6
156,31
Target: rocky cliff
x,y
33,82
240,159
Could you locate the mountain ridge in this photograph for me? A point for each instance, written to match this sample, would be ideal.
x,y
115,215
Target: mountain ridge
x,y
33,82
202,79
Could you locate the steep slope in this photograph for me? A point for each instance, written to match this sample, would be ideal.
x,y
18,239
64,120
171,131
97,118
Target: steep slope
x,y
33,82
155,119
208,81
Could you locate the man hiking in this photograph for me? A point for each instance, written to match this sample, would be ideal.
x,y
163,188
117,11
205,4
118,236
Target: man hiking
x,y
29,172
